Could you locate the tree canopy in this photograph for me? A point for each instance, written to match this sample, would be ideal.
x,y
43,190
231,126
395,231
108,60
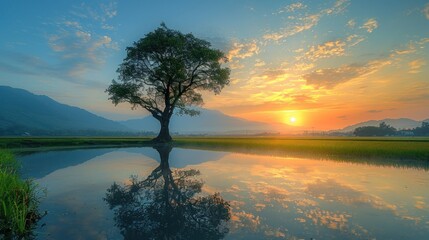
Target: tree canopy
x,y
165,71
382,130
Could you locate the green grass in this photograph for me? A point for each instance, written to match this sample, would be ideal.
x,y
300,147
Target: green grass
x,y
403,148
18,200
398,148
35,142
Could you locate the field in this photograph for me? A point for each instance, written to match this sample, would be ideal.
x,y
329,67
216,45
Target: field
x,y
323,147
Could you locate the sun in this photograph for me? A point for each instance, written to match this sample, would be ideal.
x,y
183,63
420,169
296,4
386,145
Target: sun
x,y
292,119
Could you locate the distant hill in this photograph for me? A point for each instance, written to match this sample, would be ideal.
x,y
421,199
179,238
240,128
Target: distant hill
x,y
208,122
400,123
23,112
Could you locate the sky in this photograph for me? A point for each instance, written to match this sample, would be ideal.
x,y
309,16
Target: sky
x,y
311,64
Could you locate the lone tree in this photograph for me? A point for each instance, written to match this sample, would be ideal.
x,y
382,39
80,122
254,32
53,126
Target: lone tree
x,y
163,72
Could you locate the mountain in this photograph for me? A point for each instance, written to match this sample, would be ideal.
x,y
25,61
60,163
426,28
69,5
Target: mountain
x,y
22,112
208,122
400,123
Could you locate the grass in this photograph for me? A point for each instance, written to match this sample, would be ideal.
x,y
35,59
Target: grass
x,y
18,200
392,148
403,148
35,142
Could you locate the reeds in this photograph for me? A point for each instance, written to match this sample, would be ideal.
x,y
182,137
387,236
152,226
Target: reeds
x,y
18,200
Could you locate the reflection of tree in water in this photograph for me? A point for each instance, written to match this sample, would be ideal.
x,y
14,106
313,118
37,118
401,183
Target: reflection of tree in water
x,y
166,205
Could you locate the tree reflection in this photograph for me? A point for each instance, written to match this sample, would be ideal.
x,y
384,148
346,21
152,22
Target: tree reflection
x,y
167,205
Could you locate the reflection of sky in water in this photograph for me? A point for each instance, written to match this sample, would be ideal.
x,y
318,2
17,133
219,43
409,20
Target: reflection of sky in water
x,y
271,197
302,198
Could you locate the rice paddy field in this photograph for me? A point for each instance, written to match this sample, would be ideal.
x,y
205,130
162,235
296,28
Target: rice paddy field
x,y
324,147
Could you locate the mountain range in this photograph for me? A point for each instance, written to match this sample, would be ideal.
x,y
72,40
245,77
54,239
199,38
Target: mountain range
x,y
24,113
207,122
399,123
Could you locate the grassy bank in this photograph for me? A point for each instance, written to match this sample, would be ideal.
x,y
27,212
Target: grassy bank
x,y
329,147
18,202
37,142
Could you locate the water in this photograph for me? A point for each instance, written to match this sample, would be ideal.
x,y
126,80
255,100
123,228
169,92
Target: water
x,y
174,196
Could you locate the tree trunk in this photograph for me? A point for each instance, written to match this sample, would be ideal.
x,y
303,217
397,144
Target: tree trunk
x,y
164,132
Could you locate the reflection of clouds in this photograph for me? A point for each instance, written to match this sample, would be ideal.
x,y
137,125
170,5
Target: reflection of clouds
x,y
420,203
259,207
330,190
269,192
328,219
305,202
311,198
274,233
245,220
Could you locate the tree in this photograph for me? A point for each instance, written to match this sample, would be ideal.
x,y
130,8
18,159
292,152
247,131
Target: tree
x,y
423,130
382,130
168,205
164,71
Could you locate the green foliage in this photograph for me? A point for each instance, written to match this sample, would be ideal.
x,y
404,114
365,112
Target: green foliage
x,y
166,70
382,130
423,130
18,200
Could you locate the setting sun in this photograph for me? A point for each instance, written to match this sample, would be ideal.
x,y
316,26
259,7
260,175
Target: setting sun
x,y
292,119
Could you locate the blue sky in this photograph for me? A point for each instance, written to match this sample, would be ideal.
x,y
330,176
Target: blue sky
x,y
328,62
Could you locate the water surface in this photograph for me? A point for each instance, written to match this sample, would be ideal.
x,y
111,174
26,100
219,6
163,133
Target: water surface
x,y
260,197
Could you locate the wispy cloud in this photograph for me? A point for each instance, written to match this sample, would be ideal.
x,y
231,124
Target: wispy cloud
x,y
325,50
426,11
351,23
331,48
416,65
370,25
243,50
293,7
303,24
79,45
307,22
374,111
331,77
259,63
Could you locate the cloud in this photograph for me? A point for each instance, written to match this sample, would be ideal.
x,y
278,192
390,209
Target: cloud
x,y
24,64
354,40
304,23
101,13
243,50
80,47
293,7
412,47
416,65
374,111
351,23
370,25
301,98
259,63
325,50
331,77
339,7
307,22
426,11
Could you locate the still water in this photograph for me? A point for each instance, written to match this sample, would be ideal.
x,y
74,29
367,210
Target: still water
x,y
164,193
